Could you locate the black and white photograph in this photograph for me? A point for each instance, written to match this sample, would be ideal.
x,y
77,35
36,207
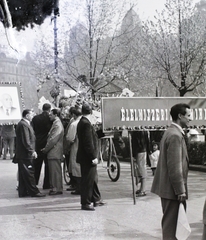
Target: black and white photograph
x,y
10,103
103,119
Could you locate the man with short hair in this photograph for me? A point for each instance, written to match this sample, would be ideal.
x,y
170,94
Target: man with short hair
x,y
170,180
25,154
42,125
87,157
7,109
54,151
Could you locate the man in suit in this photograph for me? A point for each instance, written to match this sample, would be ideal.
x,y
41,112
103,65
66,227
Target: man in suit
x,y
54,151
7,110
170,180
87,157
42,124
25,153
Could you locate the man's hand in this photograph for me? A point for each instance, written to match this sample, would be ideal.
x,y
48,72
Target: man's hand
x,y
182,197
43,150
34,155
95,161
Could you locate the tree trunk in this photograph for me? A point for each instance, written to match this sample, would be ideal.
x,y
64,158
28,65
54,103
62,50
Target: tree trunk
x,y
182,91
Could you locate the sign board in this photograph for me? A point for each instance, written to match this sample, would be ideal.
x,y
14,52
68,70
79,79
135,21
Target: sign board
x,y
11,103
150,113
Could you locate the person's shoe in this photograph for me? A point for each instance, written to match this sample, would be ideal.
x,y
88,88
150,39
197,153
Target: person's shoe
x,y
24,195
69,183
51,193
99,203
141,194
87,207
71,188
75,192
138,191
39,195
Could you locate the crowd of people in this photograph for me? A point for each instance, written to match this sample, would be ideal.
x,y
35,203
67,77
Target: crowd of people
x,y
45,138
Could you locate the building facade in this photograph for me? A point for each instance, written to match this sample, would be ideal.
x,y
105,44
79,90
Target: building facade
x,y
20,71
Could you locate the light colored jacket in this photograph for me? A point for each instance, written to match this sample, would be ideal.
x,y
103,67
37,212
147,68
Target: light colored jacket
x,y
154,158
170,178
74,167
54,146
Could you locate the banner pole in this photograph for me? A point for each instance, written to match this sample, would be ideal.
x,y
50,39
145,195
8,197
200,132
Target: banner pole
x,y
132,167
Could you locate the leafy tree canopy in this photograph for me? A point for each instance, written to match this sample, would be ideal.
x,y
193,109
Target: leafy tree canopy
x,y
25,13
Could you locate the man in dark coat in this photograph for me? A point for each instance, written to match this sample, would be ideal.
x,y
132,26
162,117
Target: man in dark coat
x,y
170,180
87,157
42,125
24,154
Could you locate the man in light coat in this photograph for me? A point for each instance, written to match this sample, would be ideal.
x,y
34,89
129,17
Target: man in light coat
x,y
54,151
170,180
73,142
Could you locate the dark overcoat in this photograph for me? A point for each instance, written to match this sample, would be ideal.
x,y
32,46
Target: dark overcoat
x,y
88,142
25,140
41,125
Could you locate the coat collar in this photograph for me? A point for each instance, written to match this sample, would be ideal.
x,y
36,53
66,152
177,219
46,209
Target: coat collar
x,y
27,121
179,127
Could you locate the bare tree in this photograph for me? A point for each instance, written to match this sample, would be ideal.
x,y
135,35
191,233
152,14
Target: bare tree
x,y
176,41
93,45
137,67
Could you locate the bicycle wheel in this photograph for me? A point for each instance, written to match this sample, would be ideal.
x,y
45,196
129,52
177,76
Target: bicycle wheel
x,y
113,168
66,173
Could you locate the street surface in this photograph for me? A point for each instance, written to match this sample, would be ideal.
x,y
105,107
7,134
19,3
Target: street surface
x,y
60,217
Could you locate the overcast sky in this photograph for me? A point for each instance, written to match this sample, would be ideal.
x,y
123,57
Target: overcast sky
x,y
25,39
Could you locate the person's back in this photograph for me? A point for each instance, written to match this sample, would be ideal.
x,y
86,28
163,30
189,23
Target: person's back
x,y
87,157
8,131
140,142
41,125
88,142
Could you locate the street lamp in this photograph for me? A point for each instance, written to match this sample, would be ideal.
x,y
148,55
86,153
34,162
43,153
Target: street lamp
x,y
55,91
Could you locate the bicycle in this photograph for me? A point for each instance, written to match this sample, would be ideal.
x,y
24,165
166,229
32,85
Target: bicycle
x,y
107,153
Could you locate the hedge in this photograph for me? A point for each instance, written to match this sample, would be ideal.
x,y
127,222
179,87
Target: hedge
x,y
197,153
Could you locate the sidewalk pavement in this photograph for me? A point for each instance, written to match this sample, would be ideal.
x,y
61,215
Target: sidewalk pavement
x,y
60,217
